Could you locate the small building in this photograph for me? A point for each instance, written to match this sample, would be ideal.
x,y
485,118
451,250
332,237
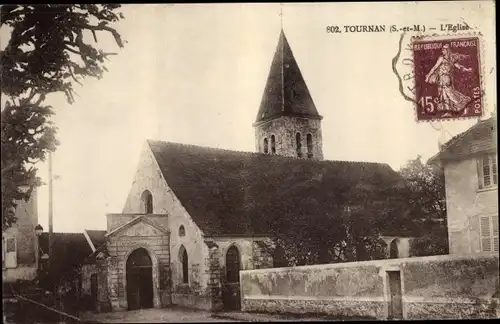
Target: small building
x,y
68,253
471,179
19,243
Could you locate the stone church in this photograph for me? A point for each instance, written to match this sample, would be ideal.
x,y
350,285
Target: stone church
x,y
189,224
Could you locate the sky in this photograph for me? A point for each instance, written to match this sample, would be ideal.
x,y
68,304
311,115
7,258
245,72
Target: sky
x,y
195,74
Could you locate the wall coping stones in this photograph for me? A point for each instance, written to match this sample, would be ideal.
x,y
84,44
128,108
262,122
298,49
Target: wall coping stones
x,y
389,263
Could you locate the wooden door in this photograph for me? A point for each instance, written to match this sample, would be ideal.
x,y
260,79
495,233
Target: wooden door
x,y
395,295
231,286
139,280
93,290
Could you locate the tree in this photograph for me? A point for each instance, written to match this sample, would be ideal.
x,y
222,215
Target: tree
x,y
48,52
341,217
335,219
427,201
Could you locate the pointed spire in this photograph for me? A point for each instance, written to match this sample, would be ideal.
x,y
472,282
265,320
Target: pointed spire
x,y
286,92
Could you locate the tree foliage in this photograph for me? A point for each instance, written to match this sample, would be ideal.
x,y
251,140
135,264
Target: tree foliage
x,y
340,219
427,201
358,215
51,47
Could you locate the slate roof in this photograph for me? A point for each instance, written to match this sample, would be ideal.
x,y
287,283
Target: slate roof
x,y
68,249
226,192
285,92
479,139
97,237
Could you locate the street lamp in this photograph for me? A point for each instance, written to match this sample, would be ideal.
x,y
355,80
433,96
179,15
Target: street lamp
x,y
38,230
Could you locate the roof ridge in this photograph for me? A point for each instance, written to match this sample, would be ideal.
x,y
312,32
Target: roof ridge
x,y
215,149
465,132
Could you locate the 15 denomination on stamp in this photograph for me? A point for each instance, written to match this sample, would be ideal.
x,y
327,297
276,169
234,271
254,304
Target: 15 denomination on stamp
x,y
447,78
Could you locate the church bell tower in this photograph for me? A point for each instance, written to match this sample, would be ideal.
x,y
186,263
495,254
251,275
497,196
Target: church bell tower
x,y
287,123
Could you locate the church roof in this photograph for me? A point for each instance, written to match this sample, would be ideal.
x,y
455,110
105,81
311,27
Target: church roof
x,y
229,192
286,92
479,139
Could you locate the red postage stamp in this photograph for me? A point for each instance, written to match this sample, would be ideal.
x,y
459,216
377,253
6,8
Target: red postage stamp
x,y
448,78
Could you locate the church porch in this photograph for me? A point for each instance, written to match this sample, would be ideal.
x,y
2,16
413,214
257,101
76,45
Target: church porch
x,y
138,262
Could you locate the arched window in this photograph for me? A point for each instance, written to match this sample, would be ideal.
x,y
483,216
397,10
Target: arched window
x,y
147,202
183,258
273,144
298,140
394,249
266,148
182,230
309,146
233,264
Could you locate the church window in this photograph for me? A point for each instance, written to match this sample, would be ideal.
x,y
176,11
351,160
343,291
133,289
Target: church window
x,y
299,145
487,172
182,231
489,233
394,249
266,148
309,146
185,264
233,264
147,202
273,144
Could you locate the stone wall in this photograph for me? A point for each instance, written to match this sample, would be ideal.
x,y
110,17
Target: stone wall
x,y
432,287
284,129
87,271
465,203
196,292
251,256
102,302
119,246
26,241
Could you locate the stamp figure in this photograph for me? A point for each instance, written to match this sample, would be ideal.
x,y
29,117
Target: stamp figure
x,y
447,78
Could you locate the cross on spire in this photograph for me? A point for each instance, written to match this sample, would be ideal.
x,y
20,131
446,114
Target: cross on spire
x,y
281,15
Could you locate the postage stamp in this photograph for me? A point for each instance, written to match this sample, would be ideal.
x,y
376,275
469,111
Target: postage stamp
x,y
447,78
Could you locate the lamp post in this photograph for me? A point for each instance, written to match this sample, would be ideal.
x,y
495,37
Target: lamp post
x,y
50,205
38,232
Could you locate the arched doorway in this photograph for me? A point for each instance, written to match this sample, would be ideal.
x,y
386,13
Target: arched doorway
x,y
393,249
231,288
139,280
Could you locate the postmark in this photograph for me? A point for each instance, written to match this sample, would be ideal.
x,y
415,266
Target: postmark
x,y
447,77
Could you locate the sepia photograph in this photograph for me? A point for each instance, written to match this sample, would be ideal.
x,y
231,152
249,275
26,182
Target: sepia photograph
x,y
249,162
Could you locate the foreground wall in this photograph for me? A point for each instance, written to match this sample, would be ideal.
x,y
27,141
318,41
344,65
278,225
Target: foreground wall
x,y
430,288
